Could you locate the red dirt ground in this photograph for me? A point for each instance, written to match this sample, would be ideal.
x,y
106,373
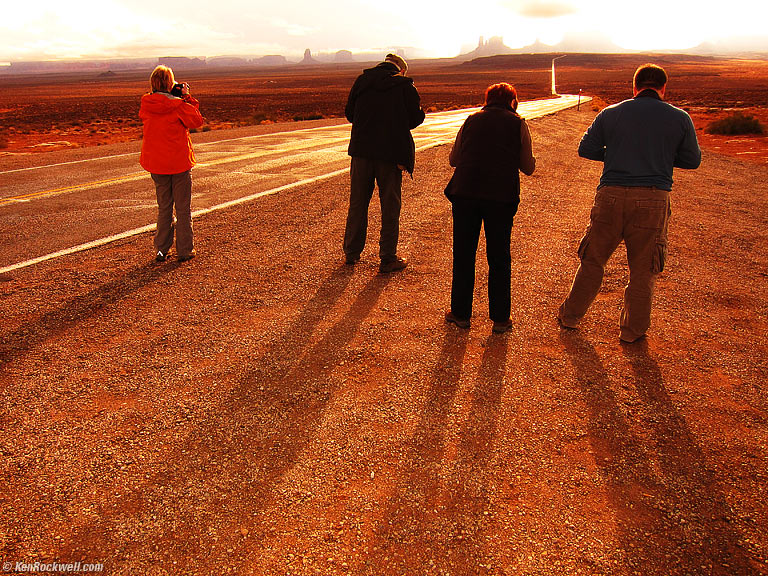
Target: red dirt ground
x,y
265,410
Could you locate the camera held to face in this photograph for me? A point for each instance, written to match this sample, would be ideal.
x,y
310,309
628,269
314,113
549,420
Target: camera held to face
x,y
178,89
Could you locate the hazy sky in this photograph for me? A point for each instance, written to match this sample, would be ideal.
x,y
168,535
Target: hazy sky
x,y
56,29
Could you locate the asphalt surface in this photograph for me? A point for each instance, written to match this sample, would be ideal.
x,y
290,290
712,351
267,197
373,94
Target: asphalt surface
x,y
55,204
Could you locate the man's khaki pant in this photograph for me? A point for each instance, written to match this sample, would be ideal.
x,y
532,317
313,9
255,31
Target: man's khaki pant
x,y
639,216
174,189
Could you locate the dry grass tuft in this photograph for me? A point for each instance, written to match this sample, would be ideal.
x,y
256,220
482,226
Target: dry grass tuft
x,y
736,123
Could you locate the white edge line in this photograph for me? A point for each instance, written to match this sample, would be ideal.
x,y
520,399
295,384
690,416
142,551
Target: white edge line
x,y
245,199
150,227
195,214
78,248
66,163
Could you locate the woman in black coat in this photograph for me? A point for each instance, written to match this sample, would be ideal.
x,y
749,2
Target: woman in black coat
x,y
491,149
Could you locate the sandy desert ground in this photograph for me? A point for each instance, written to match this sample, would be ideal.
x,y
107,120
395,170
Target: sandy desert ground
x,y
265,410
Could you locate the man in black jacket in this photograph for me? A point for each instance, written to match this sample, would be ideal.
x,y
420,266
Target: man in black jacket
x,y
383,107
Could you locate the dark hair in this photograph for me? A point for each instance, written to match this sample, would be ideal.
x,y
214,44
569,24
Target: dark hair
x,y
500,94
649,76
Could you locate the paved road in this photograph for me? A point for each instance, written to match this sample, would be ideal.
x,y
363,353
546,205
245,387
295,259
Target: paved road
x,y
47,210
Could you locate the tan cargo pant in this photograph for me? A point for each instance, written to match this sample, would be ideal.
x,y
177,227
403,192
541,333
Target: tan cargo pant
x,y
174,190
640,217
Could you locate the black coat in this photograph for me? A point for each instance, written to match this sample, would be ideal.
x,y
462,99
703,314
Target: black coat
x,y
384,107
487,156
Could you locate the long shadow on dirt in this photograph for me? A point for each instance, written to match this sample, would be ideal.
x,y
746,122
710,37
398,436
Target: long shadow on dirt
x,y
435,516
78,309
671,515
238,452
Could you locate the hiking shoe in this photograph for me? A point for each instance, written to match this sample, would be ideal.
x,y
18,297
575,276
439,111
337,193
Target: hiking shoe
x,y
187,257
160,257
625,338
392,265
562,323
351,260
501,327
451,319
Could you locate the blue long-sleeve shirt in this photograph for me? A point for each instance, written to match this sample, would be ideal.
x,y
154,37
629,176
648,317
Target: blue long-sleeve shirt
x,y
640,141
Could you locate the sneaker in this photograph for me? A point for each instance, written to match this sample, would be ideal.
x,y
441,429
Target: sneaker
x,y
187,257
501,327
392,265
352,260
451,319
160,257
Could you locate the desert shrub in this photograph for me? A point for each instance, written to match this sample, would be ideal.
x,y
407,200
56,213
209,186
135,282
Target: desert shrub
x,y
206,128
307,117
598,103
258,118
736,123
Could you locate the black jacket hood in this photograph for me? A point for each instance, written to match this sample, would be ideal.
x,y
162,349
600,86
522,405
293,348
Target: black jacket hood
x,y
384,107
383,77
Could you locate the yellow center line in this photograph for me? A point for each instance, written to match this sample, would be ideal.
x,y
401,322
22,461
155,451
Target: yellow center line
x,y
334,145
134,176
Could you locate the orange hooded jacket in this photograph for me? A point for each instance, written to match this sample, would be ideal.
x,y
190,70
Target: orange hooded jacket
x,y
167,147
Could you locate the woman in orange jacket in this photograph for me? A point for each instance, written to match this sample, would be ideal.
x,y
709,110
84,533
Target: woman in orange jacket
x,y
166,153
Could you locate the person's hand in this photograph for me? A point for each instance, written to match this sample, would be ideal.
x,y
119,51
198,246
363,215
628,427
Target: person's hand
x,y
185,89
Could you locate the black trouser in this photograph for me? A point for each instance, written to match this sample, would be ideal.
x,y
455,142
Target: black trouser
x,y
496,217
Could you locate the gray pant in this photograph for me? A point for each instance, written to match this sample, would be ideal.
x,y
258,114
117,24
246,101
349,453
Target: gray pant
x,y
640,217
364,173
174,189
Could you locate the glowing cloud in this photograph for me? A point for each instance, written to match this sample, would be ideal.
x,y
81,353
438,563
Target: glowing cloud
x,y
52,29
546,9
292,29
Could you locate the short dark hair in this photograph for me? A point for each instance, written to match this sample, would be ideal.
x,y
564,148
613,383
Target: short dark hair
x,y
649,76
501,93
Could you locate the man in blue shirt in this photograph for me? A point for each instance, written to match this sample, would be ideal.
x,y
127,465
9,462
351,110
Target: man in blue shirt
x,y
639,141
